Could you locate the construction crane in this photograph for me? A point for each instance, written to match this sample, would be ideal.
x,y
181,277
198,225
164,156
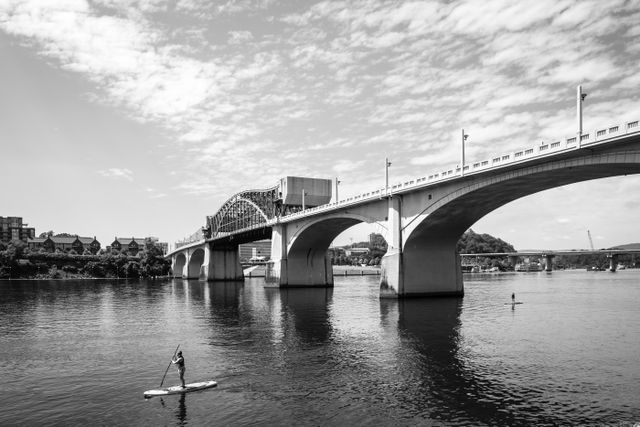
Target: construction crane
x,y
590,240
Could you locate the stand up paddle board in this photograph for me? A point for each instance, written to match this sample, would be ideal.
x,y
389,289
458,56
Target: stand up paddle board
x,y
177,389
512,303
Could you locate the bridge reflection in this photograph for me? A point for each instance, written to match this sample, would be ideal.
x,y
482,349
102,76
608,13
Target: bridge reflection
x,y
450,388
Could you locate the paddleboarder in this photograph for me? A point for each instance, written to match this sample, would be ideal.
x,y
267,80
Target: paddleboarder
x,y
513,298
179,360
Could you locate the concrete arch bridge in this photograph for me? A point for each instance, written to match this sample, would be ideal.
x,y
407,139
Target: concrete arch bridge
x,y
421,219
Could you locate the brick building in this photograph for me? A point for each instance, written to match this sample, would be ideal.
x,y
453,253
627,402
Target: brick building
x,y
65,244
128,245
134,245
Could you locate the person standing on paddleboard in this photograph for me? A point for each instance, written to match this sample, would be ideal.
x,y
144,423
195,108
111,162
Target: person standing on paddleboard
x,y
180,362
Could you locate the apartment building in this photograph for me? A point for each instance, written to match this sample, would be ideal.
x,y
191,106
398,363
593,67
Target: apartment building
x,y
12,228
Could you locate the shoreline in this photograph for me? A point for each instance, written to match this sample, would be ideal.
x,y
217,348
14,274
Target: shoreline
x,y
338,270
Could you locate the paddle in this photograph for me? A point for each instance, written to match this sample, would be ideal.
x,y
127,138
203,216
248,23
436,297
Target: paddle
x,y
165,372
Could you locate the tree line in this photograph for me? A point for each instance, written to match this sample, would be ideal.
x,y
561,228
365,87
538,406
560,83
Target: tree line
x,y
470,242
19,262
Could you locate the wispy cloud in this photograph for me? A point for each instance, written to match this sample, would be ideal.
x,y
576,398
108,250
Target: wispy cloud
x,y
119,173
253,90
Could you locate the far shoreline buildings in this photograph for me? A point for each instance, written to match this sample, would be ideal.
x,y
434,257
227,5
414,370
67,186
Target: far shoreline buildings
x,y
12,228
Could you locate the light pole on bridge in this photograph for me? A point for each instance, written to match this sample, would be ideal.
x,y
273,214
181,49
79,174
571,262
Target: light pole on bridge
x,y
387,163
337,182
579,100
464,138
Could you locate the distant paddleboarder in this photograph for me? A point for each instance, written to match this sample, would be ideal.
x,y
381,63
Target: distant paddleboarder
x,y
180,362
513,298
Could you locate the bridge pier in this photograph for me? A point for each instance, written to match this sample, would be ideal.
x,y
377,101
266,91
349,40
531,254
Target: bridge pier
x,y
613,262
221,263
426,265
297,265
513,260
178,262
548,263
391,274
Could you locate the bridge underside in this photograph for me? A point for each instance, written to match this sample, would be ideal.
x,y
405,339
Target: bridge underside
x,y
428,264
304,262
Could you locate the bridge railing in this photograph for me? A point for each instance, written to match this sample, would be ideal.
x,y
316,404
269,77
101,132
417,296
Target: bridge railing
x,y
195,237
540,150
495,161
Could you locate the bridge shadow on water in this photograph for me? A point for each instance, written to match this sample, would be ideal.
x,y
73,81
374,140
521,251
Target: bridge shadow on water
x,y
306,311
451,388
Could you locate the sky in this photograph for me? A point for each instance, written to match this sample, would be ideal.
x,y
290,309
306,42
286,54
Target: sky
x,y
141,117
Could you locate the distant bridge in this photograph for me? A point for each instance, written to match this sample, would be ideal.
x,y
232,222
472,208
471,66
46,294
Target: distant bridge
x,y
549,255
421,219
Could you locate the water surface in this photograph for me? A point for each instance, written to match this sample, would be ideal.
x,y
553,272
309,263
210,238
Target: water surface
x,y
82,352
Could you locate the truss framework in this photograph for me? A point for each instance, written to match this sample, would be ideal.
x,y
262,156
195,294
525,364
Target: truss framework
x,y
243,210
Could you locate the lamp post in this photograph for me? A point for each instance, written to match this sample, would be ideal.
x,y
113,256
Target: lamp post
x,y
387,163
337,182
464,138
303,194
579,100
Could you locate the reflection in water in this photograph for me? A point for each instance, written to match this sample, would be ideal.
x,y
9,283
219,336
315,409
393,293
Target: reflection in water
x,y
305,314
455,390
181,411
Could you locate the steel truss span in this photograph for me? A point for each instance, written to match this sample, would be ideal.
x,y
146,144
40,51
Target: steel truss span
x,y
243,210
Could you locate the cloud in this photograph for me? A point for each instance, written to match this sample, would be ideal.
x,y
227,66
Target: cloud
x,y
347,165
253,90
237,37
117,173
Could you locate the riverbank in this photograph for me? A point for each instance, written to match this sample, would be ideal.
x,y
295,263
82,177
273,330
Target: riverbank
x,y
338,270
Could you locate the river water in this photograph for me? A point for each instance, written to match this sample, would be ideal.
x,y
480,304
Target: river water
x,y
83,352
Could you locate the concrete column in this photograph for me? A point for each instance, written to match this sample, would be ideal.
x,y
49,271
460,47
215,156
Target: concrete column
x,y
305,264
513,260
613,262
195,259
391,275
206,270
276,272
431,266
178,262
225,264
419,265
548,264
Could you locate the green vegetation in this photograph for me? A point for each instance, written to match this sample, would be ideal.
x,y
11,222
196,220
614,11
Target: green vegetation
x,y
601,261
473,243
470,242
17,262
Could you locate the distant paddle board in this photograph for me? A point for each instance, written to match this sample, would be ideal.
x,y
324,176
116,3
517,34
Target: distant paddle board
x,y
176,389
511,303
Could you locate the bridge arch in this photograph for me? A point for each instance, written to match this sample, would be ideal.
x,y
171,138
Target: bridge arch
x,y
299,250
179,262
196,260
322,231
435,228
